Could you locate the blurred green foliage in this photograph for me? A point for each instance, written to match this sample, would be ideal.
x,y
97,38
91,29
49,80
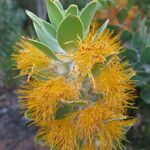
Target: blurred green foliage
x,y
11,24
107,3
144,5
137,52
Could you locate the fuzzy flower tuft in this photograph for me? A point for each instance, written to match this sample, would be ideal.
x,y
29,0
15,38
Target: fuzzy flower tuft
x,y
42,97
85,108
30,60
91,51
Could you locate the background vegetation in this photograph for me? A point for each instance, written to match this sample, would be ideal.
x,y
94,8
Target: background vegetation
x,y
135,35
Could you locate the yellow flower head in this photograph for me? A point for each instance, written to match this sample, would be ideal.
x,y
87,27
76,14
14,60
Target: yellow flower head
x,y
114,81
87,111
42,97
79,88
30,60
92,51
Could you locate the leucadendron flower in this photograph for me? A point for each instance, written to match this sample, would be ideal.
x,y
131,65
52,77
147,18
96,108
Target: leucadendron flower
x,y
78,89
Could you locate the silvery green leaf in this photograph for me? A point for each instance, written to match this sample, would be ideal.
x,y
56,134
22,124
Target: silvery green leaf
x,y
102,29
54,12
41,46
47,38
43,24
69,32
73,9
50,29
86,16
57,2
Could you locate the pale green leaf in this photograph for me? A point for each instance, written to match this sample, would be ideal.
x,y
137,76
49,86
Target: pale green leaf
x,y
41,46
46,38
54,13
87,15
73,9
33,17
102,29
43,24
69,32
50,29
57,2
